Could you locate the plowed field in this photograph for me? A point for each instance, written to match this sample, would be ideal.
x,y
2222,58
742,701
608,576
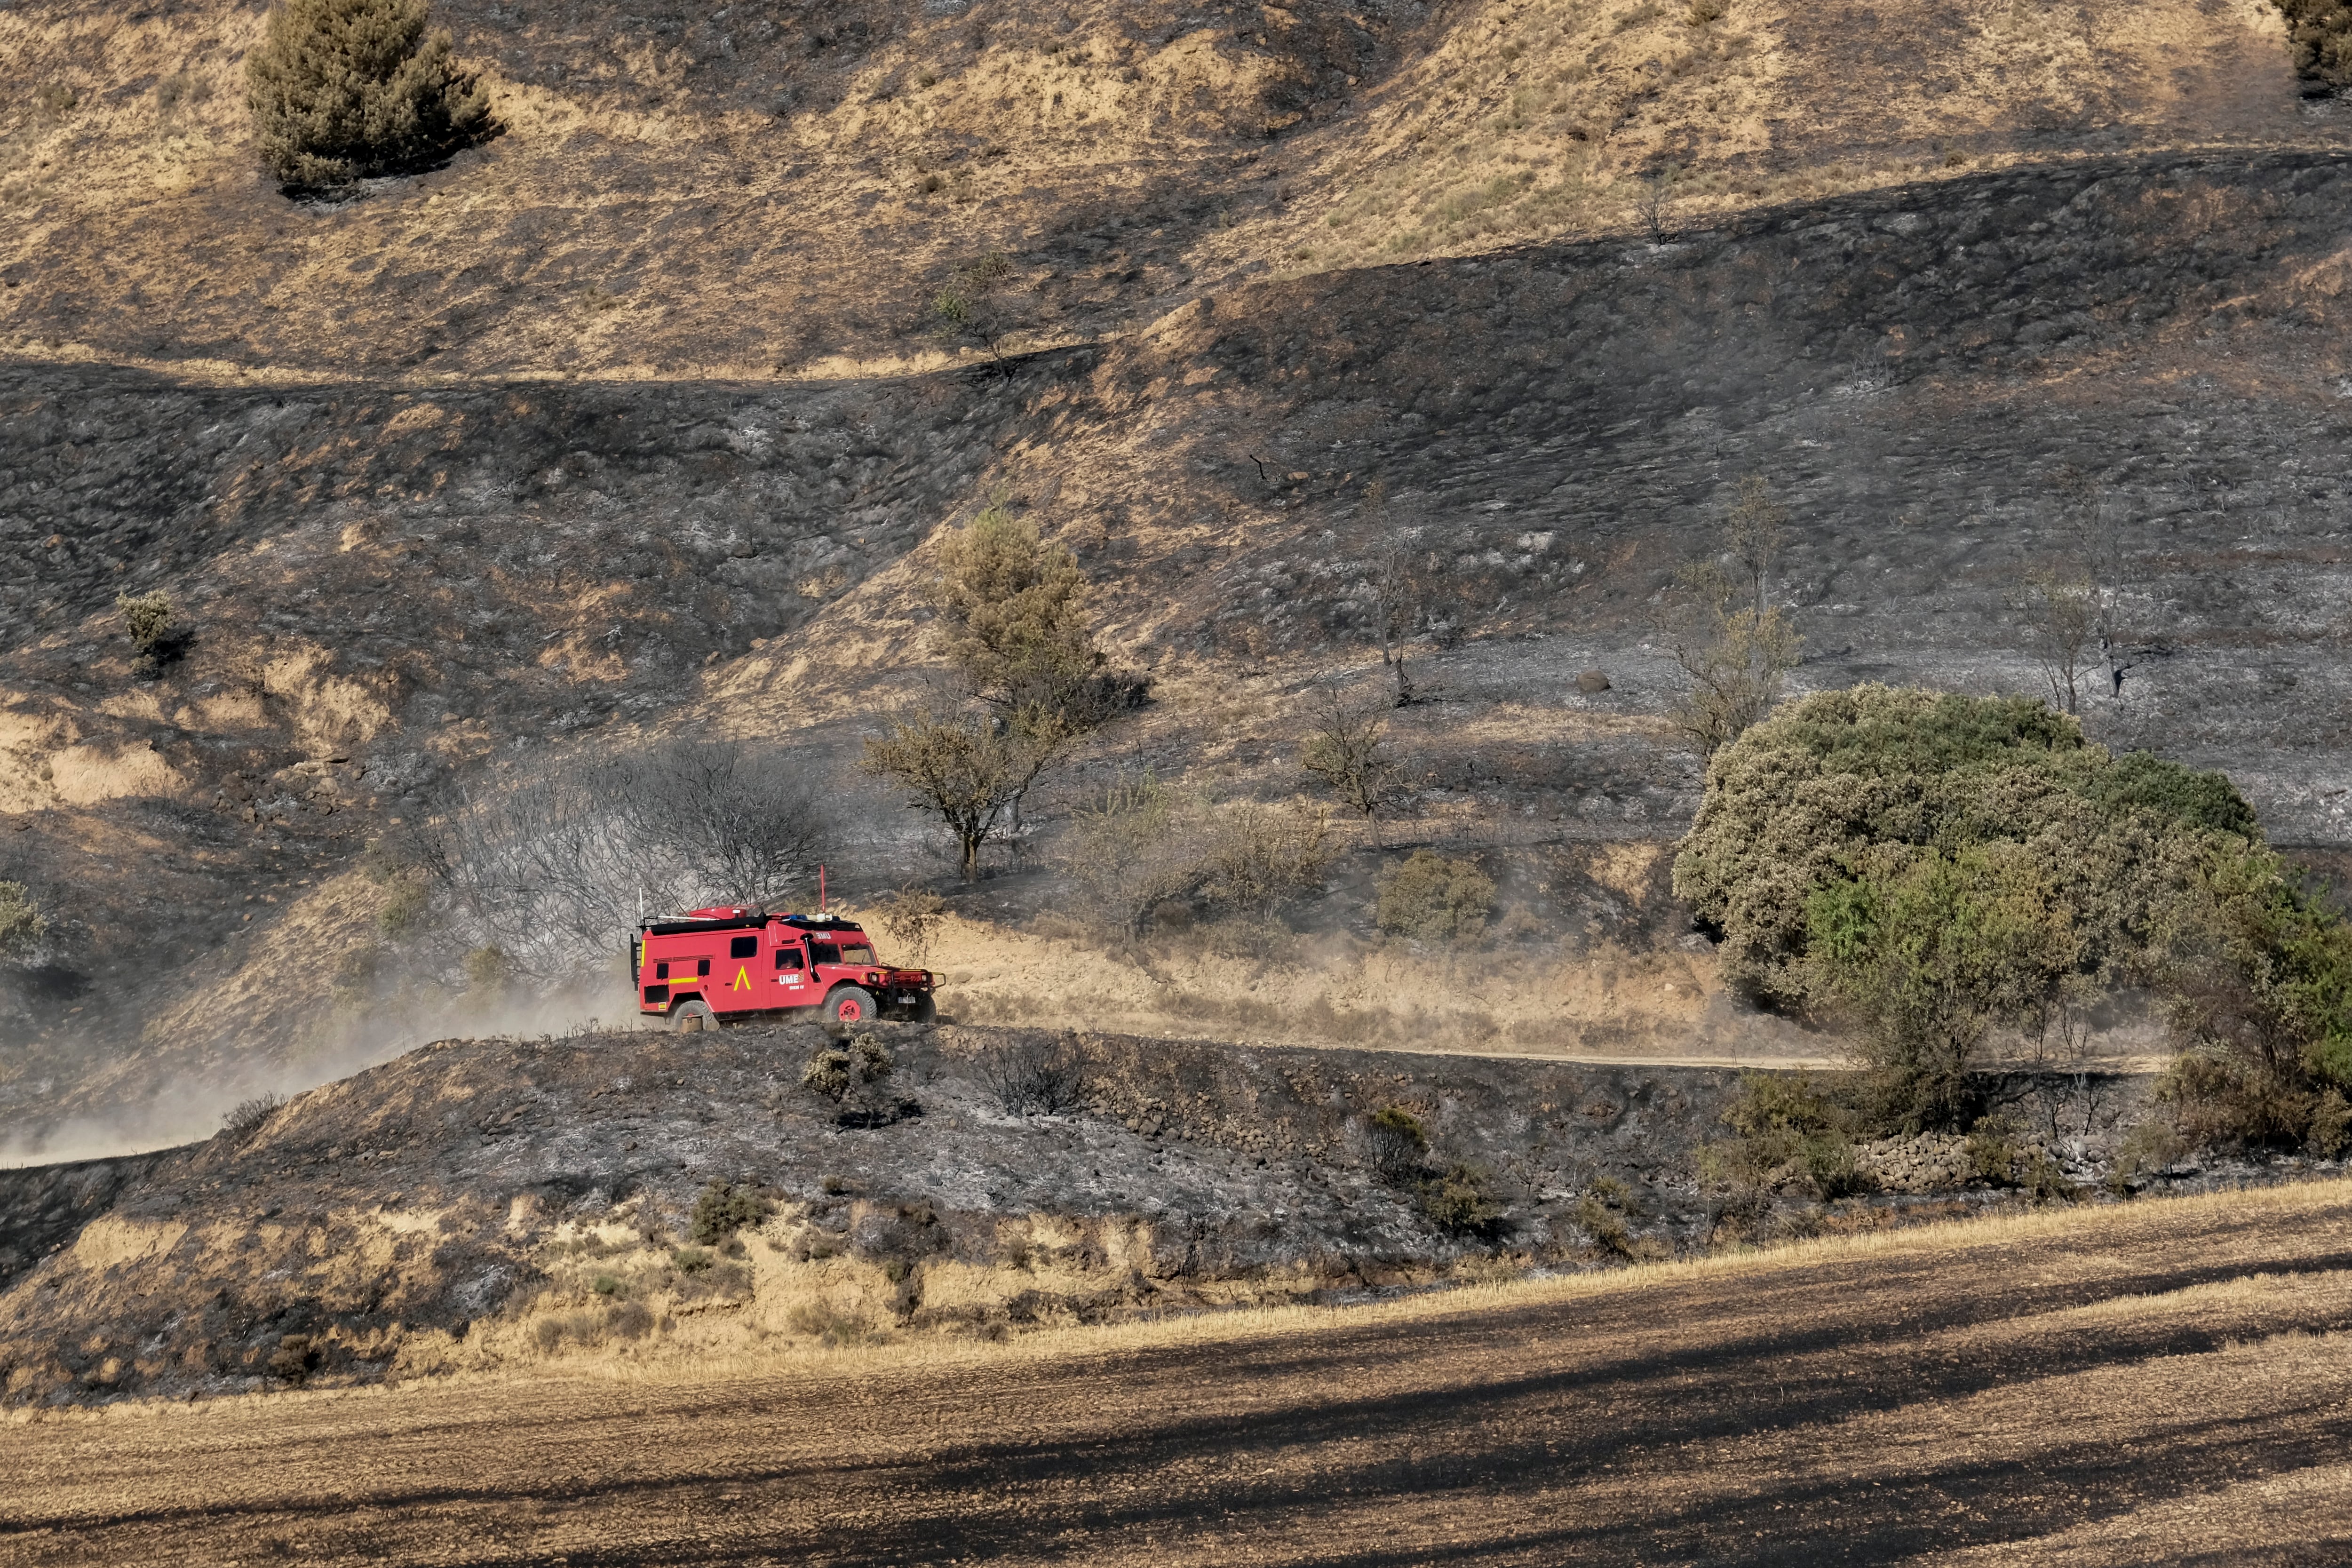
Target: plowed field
x,y
2160,1382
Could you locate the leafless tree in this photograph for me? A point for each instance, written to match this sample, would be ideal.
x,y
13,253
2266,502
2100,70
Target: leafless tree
x,y
1399,585
1734,645
555,866
1347,750
2094,536
1655,203
2061,612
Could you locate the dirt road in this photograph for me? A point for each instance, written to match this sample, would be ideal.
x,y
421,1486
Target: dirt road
x,y
2161,1383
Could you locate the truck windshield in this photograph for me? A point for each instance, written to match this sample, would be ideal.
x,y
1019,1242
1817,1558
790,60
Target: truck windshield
x,y
840,953
856,953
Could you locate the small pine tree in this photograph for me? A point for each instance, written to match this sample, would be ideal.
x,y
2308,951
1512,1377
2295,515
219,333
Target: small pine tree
x,y
342,90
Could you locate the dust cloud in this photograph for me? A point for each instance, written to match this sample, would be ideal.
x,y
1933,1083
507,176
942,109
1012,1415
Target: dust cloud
x,y
188,1108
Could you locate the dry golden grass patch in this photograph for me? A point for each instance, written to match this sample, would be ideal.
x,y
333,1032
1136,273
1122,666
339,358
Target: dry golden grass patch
x,y
1513,120
1603,1002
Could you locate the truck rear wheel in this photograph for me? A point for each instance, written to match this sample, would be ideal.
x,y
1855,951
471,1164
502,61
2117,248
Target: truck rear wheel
x,y
850,1004
693,1016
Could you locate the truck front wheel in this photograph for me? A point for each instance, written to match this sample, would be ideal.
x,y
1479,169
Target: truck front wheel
x,y
849,1005
922,1010
692,1016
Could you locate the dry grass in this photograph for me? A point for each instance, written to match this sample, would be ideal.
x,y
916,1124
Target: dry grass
x,y
1506,122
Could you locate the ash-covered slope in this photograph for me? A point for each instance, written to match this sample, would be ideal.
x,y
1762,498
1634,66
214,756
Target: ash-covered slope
x,y
476,1203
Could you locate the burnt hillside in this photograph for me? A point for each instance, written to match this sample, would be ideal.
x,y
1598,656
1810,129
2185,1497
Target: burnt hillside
x,y
636,419
388,588
434,1211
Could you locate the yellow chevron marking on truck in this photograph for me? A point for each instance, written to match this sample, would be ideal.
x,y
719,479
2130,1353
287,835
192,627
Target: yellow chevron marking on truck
x,y
742,979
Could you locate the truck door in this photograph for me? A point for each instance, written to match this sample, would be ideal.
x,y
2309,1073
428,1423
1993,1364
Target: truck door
x,y
790,987
735,987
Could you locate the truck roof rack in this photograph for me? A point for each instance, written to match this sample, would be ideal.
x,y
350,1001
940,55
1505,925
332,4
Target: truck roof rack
x,y
675,925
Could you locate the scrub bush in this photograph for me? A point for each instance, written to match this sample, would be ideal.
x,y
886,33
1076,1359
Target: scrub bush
x,y
1433,899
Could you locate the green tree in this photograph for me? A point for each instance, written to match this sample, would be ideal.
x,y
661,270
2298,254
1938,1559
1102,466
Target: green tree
x,y
968,765
1932,957
1014,618
345,90
1936,868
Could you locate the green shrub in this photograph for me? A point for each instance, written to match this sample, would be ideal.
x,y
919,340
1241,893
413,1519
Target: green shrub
x,y
148,617
1993,1151
691,1260
605,1285
2216,1101
820,1320
242,1122
1780,1119
1463,1201
723,1209
836,1071
406,899
2331,1125
1398,1143
1432,898
355,978
1830,1166
1600,1214
2319,39
1937,867
2150,1148
345,90
21,925
489,969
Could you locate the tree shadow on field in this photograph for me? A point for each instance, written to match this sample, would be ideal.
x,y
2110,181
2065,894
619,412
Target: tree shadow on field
x,y
1477,1437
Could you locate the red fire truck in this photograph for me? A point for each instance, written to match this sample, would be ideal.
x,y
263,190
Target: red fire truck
x,y
717,966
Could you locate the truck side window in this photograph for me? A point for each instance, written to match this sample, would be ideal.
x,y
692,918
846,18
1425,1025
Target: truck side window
x,y
824,953
788,958
661,972
742,947
702,966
